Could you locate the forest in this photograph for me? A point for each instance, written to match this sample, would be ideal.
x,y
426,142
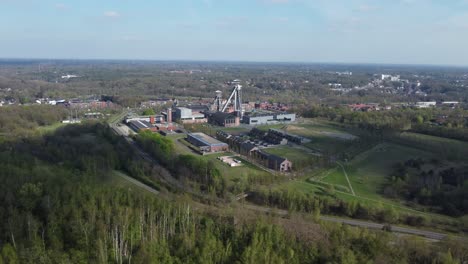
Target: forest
x,y
185,167
382,123
431,183
21,121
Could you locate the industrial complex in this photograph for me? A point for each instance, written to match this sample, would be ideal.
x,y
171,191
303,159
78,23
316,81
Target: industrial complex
x,y
229,112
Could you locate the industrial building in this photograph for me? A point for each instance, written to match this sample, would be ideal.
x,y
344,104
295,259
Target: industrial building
x,y
264,117
150,119
272,161
154,123
224,119
254,153
139,125
206,143
189,116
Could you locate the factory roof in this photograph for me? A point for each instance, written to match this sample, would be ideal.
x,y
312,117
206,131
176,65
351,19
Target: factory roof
x,y
198,107
259,113
205,139
140,124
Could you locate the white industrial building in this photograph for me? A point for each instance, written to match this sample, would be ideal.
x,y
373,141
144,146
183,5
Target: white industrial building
x,y
426,104
188,116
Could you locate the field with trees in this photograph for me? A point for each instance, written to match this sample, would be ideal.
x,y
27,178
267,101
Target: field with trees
x,y
82,194
61,203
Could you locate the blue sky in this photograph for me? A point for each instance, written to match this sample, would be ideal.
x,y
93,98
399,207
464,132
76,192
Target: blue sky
x,y
372,31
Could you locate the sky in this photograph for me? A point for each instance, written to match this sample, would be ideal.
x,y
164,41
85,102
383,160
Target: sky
x,y
351,31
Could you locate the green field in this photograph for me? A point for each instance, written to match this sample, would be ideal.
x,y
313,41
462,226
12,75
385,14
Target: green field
x,y
47,129
211,129
325,137
450,149
235,175
368,171
300,158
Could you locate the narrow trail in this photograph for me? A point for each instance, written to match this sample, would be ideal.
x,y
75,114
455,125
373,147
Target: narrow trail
x,y
347,179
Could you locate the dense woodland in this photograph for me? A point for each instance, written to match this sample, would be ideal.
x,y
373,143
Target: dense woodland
x,y
431,183
20,121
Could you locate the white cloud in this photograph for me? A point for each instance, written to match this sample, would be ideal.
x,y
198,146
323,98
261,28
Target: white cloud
x,y
112,14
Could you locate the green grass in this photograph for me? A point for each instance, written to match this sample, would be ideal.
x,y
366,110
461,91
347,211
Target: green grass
x,y
327,144
242,172
233,174
300,158
210,129
336,177
314,128
368,171
50,128
266,127
117,181
446,148
324,135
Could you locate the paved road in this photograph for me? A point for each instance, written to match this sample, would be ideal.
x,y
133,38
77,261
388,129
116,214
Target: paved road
x,y
396,229
358,223
363,224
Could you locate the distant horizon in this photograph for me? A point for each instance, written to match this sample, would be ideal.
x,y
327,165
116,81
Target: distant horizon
x,y
235,61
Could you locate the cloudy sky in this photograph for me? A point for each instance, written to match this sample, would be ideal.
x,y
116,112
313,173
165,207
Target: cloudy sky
x,y
367,31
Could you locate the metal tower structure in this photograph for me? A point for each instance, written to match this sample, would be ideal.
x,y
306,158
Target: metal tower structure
x,y
218,101
235,99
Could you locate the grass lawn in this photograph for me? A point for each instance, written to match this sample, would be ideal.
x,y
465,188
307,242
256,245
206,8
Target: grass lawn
x,y
246,170
266,127
300,158
368,171
324,136
445,147
211,129
50,128
336,177
309,187
328,144
233,174
116,180
309,127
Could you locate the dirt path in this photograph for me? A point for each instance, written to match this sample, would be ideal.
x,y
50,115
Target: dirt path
x,y
347,179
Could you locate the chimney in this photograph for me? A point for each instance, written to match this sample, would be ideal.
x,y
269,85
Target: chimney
x,y
152,121
169,115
